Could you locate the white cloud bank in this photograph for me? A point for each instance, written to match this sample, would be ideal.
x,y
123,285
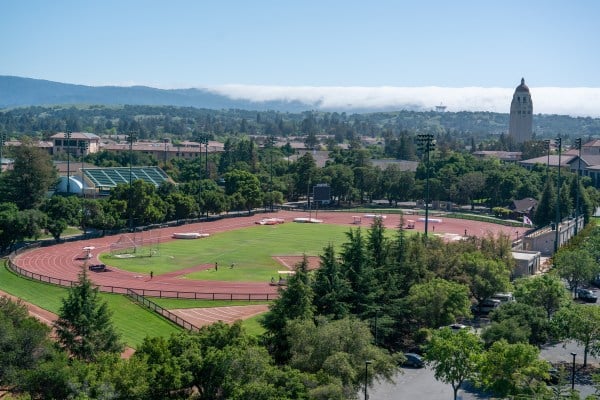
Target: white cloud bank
x,y
546,100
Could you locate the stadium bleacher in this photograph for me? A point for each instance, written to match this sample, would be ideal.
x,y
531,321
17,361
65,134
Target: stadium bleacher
x,y
110,177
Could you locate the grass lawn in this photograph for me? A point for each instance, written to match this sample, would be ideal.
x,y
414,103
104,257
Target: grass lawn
x,y
253,326
251,250
170,304
131,321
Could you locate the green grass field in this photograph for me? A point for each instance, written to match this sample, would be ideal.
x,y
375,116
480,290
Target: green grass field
x,y
251,250
191,303
131,321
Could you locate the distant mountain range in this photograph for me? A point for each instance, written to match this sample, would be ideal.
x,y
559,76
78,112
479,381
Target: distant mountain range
x,y
18,92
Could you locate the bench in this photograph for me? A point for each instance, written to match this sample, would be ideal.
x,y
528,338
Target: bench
x,y
97,267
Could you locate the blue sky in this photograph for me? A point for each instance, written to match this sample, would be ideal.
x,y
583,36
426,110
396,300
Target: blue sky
x,y
246,48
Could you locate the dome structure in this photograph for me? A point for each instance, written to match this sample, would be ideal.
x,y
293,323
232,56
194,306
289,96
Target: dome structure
x,y
522,87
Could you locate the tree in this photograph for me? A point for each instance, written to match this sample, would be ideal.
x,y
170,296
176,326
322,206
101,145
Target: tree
x,y
576,266
516,322
546,209
30,179
339,350
62,211
359,273
469,187
438,302
580,323
294,302
331,289
245,185
512,370
486,276
83,326
454,356
18,225
144,205
342,181
9,216
181,206
24,341
165,371
305,173
546,291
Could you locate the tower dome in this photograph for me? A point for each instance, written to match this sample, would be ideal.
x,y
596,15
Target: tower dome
x,y
522,87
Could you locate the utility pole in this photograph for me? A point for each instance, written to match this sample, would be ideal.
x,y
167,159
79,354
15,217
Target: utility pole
x,y
558,142
426,145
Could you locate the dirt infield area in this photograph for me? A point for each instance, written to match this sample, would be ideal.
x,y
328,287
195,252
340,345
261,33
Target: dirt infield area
x,y
63,261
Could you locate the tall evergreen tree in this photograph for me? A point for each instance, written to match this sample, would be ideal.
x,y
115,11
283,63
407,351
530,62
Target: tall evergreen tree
x,y
83,326
32,175
359,273
546,209
330,286
377,244
566,203
294,302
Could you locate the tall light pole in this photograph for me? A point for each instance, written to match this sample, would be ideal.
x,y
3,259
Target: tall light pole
x,y
557,221
367,363
2,139
130,139
426,144
573,372
206,157
578,144
166,142
67,148
271,178
548,145
202,140
83,146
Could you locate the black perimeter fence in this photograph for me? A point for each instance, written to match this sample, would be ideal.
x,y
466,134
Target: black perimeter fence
x,y
172,294
138,298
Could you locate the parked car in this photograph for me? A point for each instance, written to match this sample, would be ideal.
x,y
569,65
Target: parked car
x,y
587,295
504,297
486,306
456,327
413,360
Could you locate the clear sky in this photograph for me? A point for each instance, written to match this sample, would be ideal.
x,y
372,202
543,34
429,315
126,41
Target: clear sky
x,y
306,43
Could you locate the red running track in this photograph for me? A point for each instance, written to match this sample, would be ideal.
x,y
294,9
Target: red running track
x,y
60,261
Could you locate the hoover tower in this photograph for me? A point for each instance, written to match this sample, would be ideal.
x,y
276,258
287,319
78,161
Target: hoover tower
x,y
521,114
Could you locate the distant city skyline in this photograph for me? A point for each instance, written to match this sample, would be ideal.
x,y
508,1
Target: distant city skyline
x,y
465,55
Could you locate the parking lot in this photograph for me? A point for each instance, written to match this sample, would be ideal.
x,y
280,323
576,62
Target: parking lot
x,y
415,383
